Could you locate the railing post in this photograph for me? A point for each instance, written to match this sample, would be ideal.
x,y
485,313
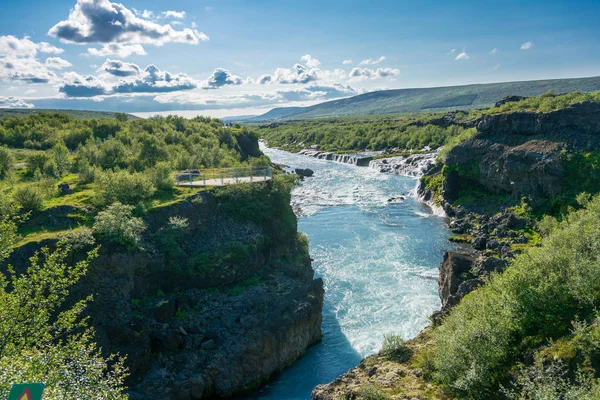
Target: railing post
x,y
222,183
204,179
265,174
251,173
190,178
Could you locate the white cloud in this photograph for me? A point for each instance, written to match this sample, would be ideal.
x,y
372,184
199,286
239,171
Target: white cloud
x,y
462,56
115,49
347,62
222,77
310,61
25,69
174,14
526,45
100,21
119,68
13,102
30,91
494,50
451,52
15,47
370,61
133,80
359,74
57,63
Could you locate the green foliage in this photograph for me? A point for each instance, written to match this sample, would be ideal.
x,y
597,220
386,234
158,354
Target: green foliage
x,y
546,102
407,132
551,380
394,347
81,239
162,176
265,204
7,162
60,156
372,392
29,198
40,340
36,162
168,239
539,295
122,186
116,225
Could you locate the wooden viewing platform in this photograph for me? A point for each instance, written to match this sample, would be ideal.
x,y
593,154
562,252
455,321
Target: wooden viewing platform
x,y
223,176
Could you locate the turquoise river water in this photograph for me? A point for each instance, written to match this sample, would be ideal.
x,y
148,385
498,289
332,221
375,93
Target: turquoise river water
x,y
378,260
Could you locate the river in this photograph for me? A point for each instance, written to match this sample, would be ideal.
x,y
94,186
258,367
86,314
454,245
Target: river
x,y
378,260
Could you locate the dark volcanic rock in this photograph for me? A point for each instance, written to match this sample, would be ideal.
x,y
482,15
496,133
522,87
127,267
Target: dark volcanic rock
x,y
509,99
304,172
520,153
64,189
454,266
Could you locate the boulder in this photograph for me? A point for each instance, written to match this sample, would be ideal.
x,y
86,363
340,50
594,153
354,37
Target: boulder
x,y
64,189
452,270
304,172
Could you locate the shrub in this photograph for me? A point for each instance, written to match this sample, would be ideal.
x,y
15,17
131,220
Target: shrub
x,y
36,162
81,239
122,187
29,198
162,176
60,155
372,392
116,225
394,347
539,295
6,162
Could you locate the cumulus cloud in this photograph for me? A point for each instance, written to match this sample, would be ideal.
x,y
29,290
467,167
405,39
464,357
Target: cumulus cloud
x,y
120,68
494,50
100,21
462,56
174,14
347,62
116,49
370,61
358,74
25,69
57,63
133,80
264,79
451,52
526,45
297,74
317,92
310,61
75,85
15,47
13,102
30,91
222,77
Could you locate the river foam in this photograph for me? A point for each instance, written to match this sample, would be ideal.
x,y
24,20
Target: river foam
x,y
379,262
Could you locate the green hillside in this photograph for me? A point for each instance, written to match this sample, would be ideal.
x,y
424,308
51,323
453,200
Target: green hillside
x,y
431,99
82,114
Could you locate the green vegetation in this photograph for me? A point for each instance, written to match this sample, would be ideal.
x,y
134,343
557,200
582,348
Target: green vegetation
x,y
549,295
116,225
411,132
83,114
40,340
109,160
394,347
430,99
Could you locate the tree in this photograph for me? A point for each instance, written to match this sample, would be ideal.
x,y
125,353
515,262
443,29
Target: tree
x,y
6,162
40,343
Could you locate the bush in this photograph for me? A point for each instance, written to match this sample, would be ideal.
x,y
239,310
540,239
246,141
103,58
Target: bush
x,y
81,239
394,347
36,162
539,295
6,162
116,225
372,392
162,176
60,156
123,187
29,198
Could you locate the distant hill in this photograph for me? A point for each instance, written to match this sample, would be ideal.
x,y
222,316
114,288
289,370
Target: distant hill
x,y
19,112
429,99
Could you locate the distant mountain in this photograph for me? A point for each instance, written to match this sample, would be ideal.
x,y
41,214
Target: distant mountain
x,y
19,112
429,99
238,118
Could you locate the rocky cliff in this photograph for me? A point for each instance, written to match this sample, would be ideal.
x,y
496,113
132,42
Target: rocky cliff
x,y
209,312
488,186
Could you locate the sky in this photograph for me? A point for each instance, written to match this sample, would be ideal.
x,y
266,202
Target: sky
x,y
244,57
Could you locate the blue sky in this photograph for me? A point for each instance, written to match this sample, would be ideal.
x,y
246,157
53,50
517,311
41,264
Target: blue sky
x,y
233,57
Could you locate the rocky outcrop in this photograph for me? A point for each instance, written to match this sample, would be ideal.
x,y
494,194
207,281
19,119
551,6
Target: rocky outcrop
x,y
354,159
304,172
413,165
212,313
520,153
